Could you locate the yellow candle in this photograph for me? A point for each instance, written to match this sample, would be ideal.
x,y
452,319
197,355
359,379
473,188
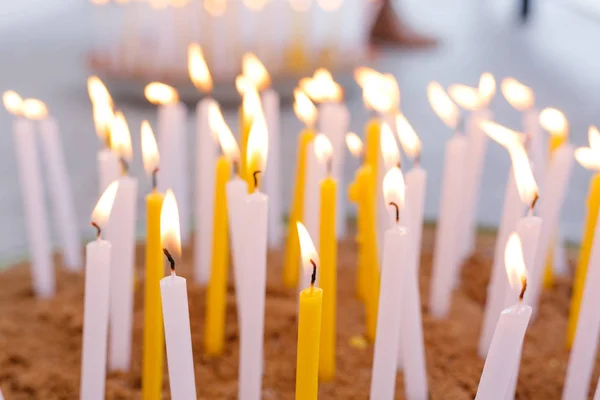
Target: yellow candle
x,y
371,259
216,302
355,194
292,249
245,125
309,324
372,135
593,204
152,375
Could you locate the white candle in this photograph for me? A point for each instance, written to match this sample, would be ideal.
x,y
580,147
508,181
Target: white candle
x,y
396,246
237,190
176,314
536,144
120,233
36,219
255,250
206,154
108,168
61,194
446,254
96,303
551,200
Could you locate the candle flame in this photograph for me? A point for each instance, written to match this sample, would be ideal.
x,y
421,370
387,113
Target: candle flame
x,y
554,121
160,93
389,147
487,87
504,136
243,84
227,141
307,247
216,8
379,96
34,109
251,104
12,102
120,137
104,206
528,189
150,155
321,87
391,86
258,145
408,137
216,122
465,96
304,108
589,157
255,71
363,75
354,143
98,92
393,187
170,234
323,148
103,117
518,95
198,69
442,104
514,262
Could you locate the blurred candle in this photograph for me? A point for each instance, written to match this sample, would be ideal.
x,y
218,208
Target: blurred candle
x,y
206,153
589,158
121,234
446,254
96,303
175,308
32,192
306,112
309,324
507,342
255,277
172,144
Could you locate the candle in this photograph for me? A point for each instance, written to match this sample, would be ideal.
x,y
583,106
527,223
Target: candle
x,y
395,250
328,251
586,157
507,342
152,361
254,278
309,324
175,309
121,233
216,294
32,192
306,112
446,255
172,143
205,164
60,191
96,302
416,180
250,107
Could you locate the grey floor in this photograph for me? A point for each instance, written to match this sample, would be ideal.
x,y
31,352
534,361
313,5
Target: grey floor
x,y
43,44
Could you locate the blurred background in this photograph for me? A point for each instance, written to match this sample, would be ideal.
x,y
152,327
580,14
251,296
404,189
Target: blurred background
x,y
49,48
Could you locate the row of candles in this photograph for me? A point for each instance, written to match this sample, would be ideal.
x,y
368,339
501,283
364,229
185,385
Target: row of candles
x,y
397,335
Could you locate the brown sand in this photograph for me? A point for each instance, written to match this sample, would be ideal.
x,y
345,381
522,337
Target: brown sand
x,y
40,341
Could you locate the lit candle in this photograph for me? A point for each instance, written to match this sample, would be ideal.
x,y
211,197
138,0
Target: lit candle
x,y
108,162
255,276
32,192
396,247
206,154
446,254
175,308
551,200
309,323
121,233
255,71
152,361
59,185
476,101
328,251
587,158
250,107
507,342
306,112
416,181
96,302
172,143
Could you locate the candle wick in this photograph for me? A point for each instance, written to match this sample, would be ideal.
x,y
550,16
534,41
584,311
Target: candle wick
x,y
460,127
236,167
255,176
124,166
397,210
523,288
533,203
98,229
329,165
418,159
313,277
154,178
171,260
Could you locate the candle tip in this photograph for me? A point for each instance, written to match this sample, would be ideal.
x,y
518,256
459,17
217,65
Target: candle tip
x,y
523,288
98,229
313,277
397,210
255,176
171,260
